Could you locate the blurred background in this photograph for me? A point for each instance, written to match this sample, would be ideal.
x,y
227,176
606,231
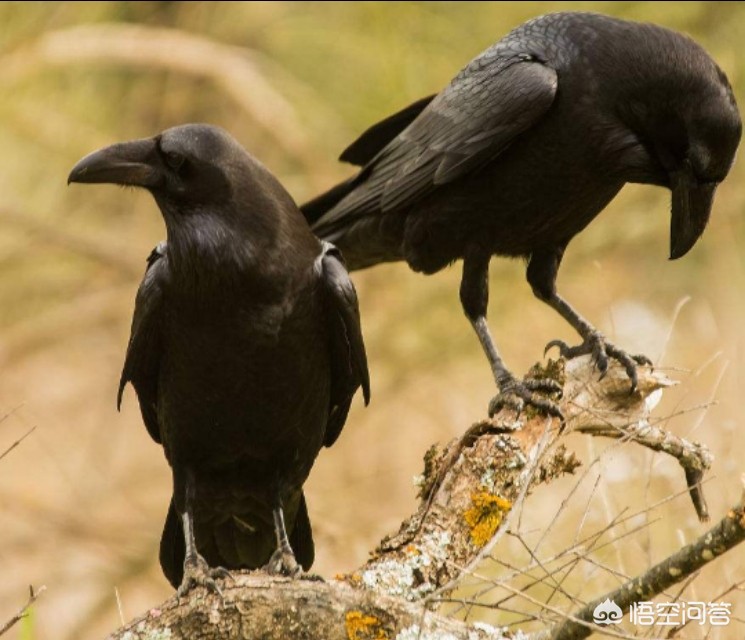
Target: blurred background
x,y
83,497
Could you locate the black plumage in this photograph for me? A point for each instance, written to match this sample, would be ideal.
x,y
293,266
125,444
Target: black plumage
x,y
245,350
526,145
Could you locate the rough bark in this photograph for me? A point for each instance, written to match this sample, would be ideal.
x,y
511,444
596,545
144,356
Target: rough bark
x,y
469,491
261,607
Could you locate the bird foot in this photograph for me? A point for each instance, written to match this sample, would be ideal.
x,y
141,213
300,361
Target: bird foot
x,y
197,573
600,349
283,563
516,394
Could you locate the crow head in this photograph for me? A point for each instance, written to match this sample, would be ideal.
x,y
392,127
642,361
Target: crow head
x,y
183,167
214,196
686,129
712,134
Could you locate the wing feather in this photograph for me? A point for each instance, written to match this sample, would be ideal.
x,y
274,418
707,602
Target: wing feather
x,y
142,363
484,109
348,358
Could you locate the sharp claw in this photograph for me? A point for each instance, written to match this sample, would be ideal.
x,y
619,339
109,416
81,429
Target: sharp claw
x,y
642,360
556,413
212,586
517,395
596,346
519,406
283,564
222,572
198,573
601,363
562,346
634,380
207,583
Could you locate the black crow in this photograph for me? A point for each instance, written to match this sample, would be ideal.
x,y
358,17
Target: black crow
x,y
245,350
526,145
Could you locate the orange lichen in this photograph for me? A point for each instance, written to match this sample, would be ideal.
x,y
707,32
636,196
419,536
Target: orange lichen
x,y
355,579
485,516
363,627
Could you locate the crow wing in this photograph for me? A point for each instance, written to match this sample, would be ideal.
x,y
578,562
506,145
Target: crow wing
x,y
141,366
492,101
372,141
348,357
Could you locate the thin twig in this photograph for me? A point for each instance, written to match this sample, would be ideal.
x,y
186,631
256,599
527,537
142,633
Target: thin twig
x,y
17,442
33,595
726,534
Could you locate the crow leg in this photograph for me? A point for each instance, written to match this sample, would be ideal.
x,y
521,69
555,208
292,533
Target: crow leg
x,y
196,570
542,270
474,296
283,560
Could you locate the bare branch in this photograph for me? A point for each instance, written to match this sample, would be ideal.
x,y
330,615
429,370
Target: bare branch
x,y
33,595
694,457
602,418
259,606
726,534
472,493
476,484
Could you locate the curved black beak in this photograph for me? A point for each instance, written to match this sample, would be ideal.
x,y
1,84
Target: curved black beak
x,y
691,208
132,163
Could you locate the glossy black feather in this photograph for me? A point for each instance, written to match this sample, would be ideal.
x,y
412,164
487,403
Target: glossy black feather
x,y
141,364
372,141
348,360
245,350
520,152
531,140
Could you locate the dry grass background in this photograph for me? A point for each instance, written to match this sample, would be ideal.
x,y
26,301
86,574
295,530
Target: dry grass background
x,y
82,499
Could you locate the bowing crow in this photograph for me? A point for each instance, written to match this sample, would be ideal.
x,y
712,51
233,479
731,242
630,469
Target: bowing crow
x,y
518,154
245,351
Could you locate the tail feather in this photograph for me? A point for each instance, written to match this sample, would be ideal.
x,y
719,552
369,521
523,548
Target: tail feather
x,y
301,538
313,210
172,548
232,545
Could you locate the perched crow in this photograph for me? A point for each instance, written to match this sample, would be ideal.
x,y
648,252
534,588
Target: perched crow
x,y
245,350
526,145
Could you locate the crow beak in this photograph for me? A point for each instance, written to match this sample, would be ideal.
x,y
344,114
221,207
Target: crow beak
x,y
691,208
127,163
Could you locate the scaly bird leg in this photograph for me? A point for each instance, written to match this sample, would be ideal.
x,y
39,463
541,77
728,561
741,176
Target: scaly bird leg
x,y
474,296
542,270
196,570
283,560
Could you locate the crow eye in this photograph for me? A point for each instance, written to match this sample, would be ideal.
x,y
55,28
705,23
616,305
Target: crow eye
x,y
174,160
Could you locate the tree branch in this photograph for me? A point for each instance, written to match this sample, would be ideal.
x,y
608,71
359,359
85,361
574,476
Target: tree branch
x,y
33,595
470,491
726,534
